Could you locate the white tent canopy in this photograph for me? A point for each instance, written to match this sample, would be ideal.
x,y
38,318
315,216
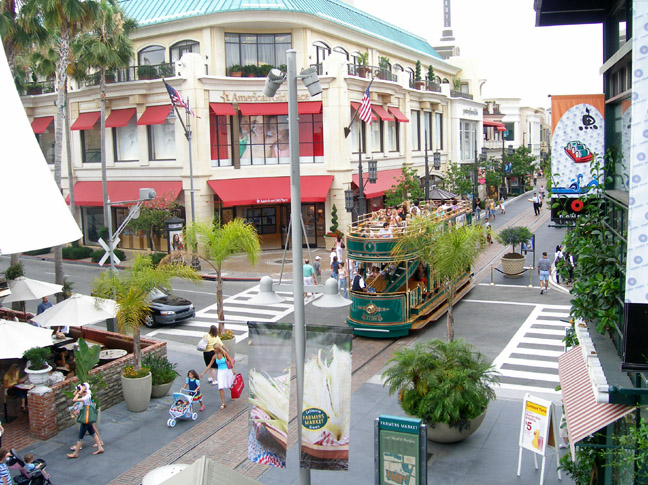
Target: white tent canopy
x,y
76,311
25,289
17,337
34,213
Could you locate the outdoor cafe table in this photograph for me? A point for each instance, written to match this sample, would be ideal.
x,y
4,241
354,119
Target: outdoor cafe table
x,y
111,354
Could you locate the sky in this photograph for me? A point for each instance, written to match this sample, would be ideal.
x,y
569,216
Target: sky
x,y
518,59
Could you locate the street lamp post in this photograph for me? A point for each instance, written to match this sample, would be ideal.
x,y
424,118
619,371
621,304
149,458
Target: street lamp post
x,y
362,200
475,175
427,170
503,189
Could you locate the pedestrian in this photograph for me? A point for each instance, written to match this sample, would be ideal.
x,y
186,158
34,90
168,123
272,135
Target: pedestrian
x,y
1,433
335,267
558,257
212,339
192,382
332,255
317,266
225,373
339,248
308,272
491,209
542,193
544,270
5,476
570,263
358,281
503,205
83,395
343,279
489,231
478,208
536,204
43,305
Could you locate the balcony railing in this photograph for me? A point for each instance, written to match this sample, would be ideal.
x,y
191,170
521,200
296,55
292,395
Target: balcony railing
x,y
460,94
366,72
40,87
134,73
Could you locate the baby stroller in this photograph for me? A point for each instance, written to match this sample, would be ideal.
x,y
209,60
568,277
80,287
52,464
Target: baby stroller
x,y
35,477
182,407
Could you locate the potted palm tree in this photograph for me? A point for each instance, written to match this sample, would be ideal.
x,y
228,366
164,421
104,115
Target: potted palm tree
x,y
513,262
446,384
163,373
363,64
38,368
131,290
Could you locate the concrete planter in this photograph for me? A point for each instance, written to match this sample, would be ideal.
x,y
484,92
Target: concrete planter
x,y
230,345
443,433
329,242
39,377
137,393
161,390
512,267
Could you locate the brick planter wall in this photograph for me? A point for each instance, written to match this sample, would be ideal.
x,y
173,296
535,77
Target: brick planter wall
x,y
49,410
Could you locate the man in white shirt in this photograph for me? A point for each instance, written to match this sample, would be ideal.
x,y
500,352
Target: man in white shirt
x,y
385,231
536,204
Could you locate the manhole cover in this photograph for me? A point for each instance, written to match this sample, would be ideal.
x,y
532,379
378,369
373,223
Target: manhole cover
x,y
285,261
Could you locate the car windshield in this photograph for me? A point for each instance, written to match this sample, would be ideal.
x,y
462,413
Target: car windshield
x,y
157,293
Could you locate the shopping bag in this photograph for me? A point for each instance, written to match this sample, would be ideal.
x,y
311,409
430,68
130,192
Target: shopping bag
x,y
237,386
88,414
230,363
202,345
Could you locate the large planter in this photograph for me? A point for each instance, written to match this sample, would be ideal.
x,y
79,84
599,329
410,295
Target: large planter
x,y
230,345
137,392
329,242
161,390
444,433
39,377
513,265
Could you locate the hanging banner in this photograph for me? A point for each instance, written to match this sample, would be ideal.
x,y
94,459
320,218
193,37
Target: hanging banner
x,y
326,411
269,354
635,151
577,141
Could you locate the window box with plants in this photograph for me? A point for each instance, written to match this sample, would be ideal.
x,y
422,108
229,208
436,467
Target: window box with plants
x,y
163,373
446,384
331,237
147,72
235,71
513,263
250,71
38,367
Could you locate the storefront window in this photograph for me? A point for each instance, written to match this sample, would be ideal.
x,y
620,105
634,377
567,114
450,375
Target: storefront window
x,y
91,145
46,143
256,49
92,221
220,130
468,140
392,136
125,142
415,120
264,219
162,139
377,136
438,131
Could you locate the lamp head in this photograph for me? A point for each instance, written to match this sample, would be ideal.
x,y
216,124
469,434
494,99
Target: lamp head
x,y
274,80
146,194
311,81
331,297
266,295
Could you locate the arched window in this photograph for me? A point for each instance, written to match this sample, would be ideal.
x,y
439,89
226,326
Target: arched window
x,y
445,81
151,55
437,79
398,68
343,51
321,51
183,47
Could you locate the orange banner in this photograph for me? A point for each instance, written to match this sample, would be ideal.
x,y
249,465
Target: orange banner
x,y
561,104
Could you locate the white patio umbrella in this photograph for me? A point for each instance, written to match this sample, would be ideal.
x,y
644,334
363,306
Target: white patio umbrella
x,y
16,337
76,311
23,289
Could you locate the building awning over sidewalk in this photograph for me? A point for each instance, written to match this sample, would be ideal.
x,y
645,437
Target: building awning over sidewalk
x,y
583,414
39,125
258,109
119,117
222,109
495,124
398,114
154,115
382,113
274,190
386,179
90,194
356,106
86,121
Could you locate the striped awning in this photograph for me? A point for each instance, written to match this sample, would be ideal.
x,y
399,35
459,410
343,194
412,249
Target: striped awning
x,y
583,414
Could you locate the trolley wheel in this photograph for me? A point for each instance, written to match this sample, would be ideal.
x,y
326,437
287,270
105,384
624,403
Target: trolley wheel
x,y
194,416
168,422
172,422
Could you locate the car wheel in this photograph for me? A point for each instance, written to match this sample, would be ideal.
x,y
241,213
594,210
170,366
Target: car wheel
x,y
149,322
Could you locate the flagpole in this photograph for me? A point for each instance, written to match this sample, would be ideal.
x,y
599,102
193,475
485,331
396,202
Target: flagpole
x,y
347,129
191,181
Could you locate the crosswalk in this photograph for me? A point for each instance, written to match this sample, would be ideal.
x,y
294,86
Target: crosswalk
x,y
239,309
529,363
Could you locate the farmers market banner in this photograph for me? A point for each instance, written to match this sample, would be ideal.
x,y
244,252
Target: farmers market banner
x,y
577,143
326,408
269,354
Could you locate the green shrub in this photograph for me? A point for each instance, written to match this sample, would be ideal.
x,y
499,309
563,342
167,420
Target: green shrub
x,y
98,254
14,271
157,257
38,252
37,357
76,252
162,371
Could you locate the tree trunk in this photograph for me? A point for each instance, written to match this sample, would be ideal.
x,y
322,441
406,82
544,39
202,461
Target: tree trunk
x,y
137,349
219,301
14,260
68,146
102,134
450,316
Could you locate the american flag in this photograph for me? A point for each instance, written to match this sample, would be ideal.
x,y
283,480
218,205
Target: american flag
x,y
177,99
364,112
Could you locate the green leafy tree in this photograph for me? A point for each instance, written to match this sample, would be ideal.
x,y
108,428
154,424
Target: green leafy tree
x,y
215,243
153,215
458,179
407,187
448,249
522,162
130,289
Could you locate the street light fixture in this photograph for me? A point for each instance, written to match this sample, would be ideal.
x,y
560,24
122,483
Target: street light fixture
x,y
437,160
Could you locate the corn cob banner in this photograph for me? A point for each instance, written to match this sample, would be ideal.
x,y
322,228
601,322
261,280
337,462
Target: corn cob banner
x,y
326,411
269,354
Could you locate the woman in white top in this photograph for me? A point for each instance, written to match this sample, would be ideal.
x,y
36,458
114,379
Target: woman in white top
x,y
84,396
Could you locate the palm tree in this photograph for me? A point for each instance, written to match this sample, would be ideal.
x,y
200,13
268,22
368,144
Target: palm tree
x,y
106,46
215,243
131,288
448,249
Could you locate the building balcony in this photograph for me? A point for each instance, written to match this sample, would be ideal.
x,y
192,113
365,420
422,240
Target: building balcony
x,y
460,94
371,71
133,73
43,87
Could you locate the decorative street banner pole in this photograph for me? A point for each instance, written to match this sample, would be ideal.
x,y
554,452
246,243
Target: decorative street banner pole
x,y
400,447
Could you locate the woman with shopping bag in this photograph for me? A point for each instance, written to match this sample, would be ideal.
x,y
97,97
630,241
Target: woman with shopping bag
x,y
226,370
87,417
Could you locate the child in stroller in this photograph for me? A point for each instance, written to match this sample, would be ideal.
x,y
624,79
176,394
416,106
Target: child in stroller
x,y
32,471
182,407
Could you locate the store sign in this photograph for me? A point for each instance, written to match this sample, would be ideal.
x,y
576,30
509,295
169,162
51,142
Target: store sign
x,y
280,97
401,451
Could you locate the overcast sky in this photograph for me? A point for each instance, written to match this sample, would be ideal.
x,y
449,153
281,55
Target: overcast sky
x,y
518,59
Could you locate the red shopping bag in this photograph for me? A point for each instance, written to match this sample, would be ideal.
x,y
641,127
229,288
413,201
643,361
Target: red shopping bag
x,y
237,386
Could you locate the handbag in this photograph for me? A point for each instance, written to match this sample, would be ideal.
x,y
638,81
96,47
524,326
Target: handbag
x,y
88,414
237,386
202,345
230,363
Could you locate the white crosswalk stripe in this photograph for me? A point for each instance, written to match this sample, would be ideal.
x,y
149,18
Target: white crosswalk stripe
x,y
529,361
239,309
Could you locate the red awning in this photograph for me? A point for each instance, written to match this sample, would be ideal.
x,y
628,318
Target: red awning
x,y
90,194
583,414
86,121
386,179
270,190
119,117
398,114
39,125
382,113
154,115
222,109
495,124
254,109
356,106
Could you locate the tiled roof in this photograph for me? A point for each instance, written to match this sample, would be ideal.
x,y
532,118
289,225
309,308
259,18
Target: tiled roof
x,y
150,12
